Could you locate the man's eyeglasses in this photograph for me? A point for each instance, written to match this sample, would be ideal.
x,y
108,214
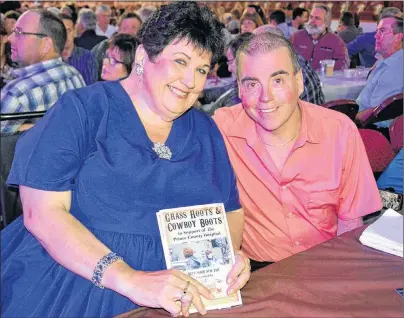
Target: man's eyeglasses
x,y
112,61
230,61
19,33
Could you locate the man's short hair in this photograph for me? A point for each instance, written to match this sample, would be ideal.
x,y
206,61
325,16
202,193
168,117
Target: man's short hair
x,y
146,11
265,43
278,16
52,26
398,24
347,19
390,12
327,13
130,15
235,43
102,8
12,15
266,28
88,19
298,12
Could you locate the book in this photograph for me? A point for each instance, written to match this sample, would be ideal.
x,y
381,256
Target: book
x,y
196,240
385,234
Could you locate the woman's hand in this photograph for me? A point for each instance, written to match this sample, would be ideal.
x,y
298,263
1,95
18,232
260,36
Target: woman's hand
x,y
168,289
239,274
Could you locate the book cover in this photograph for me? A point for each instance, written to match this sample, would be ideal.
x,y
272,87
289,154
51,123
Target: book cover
x,y
196,240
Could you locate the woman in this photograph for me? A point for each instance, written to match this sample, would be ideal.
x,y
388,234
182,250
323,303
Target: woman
x,y
250,21
119,57
96,169
6,64
225,96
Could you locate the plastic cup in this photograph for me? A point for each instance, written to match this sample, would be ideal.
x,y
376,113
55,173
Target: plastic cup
x,y
329,67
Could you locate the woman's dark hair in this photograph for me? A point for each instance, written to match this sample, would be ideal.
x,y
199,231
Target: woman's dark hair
x,y
236,13
7,51
64,16
127,45
3,31
182,20
238,41
259,11
357,21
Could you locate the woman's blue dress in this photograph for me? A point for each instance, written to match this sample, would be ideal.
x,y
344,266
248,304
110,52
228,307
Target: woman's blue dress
x,y
93,143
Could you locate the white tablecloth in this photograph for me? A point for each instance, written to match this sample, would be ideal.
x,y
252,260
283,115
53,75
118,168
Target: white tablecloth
x,y
340,87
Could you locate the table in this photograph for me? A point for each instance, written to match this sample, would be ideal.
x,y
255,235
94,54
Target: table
x,y
340,87
339,278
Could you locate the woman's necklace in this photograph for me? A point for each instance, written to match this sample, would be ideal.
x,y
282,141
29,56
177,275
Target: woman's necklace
x,y
284,143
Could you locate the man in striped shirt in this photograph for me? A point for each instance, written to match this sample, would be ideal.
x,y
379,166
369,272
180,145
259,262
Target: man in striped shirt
x,y
37,42
83,60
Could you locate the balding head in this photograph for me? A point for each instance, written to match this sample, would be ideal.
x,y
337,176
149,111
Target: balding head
x,y
39,35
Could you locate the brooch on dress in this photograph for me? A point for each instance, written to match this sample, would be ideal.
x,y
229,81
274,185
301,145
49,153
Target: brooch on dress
x,y
162,150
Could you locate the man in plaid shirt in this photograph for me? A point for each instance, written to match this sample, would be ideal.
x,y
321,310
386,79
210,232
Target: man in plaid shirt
x,y
37,42
312,86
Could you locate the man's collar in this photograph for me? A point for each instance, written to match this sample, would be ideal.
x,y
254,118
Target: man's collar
x,y
245,127
23,71
393,57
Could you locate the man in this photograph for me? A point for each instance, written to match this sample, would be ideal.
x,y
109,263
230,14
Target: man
x,y
312,85
392,176
386,79
316,43
347,29
83,60
302,170
300,17
364,44
37,43
10,19
129,23
289,13
278,20
103,28
86,24
146,11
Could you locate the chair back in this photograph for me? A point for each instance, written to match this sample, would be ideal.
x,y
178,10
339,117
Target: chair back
x,y
9,196
10,204
378,149
391,108
347,106
396,134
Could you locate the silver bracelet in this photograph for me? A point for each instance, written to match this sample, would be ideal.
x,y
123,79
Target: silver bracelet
x,y
101,266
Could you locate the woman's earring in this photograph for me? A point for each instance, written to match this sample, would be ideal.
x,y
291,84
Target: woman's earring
x,y
138,69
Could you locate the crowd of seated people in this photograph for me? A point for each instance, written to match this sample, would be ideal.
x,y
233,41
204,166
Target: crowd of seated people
x,y
89,67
